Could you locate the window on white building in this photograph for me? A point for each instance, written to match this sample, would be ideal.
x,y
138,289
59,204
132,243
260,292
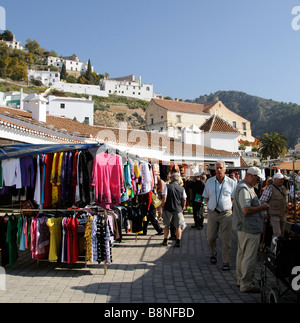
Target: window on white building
x,y
234,124
178,118
62,105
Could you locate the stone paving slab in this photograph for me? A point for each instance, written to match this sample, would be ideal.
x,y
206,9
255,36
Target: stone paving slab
x,y
143,271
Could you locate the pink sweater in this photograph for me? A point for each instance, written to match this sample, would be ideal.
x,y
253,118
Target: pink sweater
x,y
107,179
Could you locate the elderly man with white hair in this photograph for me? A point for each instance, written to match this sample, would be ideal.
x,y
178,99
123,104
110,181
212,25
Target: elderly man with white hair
x,y
219,192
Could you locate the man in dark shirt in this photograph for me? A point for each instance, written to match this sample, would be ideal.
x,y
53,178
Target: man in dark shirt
x,y
197,200
173,203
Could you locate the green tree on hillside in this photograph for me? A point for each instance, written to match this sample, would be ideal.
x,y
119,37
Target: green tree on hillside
x,y
32,46
88,75
273,145
6,35
63,73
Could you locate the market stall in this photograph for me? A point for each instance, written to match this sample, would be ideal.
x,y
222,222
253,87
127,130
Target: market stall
x,y
63,196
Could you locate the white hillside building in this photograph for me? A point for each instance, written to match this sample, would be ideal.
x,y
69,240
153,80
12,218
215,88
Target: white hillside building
x,y
73,65
124,86
46,77
14,44
127,86
79,108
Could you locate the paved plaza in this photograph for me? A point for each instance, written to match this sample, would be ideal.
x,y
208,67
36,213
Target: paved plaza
x,y
143,271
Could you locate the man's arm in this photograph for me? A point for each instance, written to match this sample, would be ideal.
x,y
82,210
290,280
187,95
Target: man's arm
x,y
163,200
183,203
245,203
253,209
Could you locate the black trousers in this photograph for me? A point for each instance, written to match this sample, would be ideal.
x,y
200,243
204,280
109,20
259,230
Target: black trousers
x,y
198,213
151,216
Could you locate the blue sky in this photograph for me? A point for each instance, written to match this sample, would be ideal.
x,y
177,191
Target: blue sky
x,y
184,48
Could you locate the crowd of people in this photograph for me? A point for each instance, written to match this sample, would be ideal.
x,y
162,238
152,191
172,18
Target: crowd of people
x,y
232,204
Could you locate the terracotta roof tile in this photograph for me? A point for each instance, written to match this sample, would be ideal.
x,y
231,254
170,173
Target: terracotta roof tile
x,y
182,106
217,124
130,137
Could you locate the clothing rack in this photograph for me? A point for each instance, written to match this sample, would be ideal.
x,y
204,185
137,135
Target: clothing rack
x,y
96,209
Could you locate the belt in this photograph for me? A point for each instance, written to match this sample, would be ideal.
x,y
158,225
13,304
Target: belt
x,y
221,212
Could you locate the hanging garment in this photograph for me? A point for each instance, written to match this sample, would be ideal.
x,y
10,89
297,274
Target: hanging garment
x,y
11,239
72,241
37,189
3,242
54,225
136,218
85,169
20,234
11,172
27,171
47,177
88,238
54,178
74,176
64,253
94,239
146,183
107,179
42,237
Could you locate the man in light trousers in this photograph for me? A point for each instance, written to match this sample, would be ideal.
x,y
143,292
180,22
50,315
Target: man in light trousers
x,y
219,192
248,221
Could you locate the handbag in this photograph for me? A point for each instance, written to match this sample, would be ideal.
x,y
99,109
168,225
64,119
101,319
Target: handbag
x,y
198,198
156,202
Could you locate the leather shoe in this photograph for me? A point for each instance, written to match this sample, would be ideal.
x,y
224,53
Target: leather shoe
x,y
213,259
253,290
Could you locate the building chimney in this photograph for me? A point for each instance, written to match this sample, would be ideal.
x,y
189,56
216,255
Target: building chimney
x,y
38,108
21,99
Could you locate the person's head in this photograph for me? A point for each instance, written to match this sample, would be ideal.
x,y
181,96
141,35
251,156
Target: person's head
x,y
220,169
232,175
278,179
253,176
269,181
203,178
197,176
175,177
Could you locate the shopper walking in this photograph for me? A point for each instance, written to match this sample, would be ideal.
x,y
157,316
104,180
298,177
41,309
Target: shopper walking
x,y
173,203
159,189
248,221
149,213
197,201
219,193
